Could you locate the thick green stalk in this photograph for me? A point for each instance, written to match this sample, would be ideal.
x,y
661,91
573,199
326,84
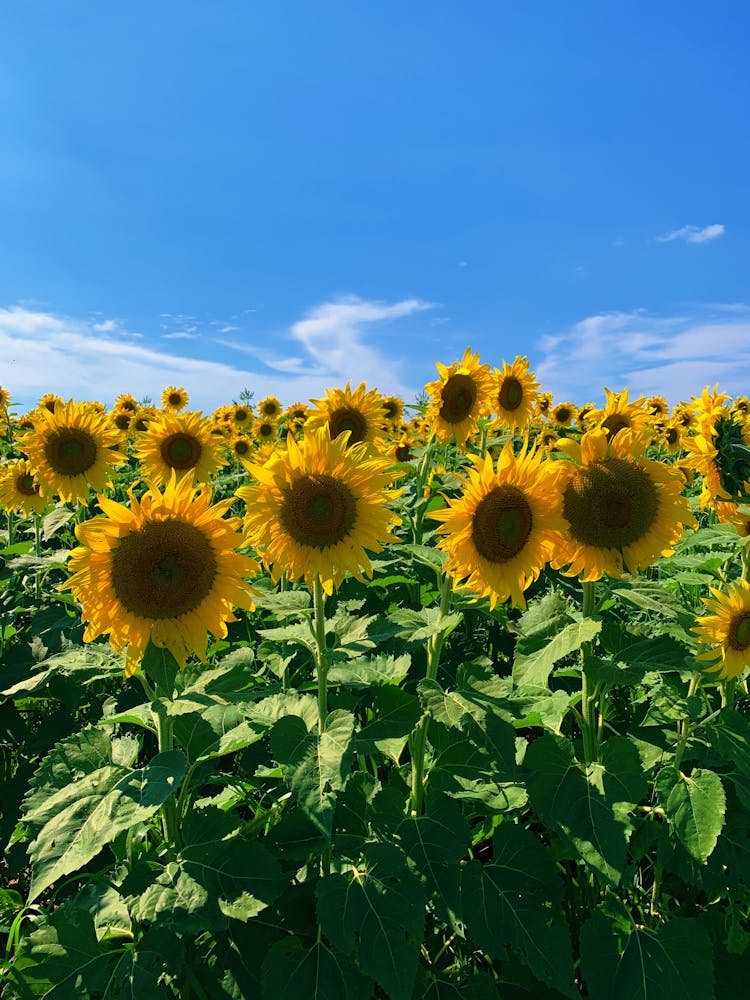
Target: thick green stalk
x,y
422,470
419,740
169,822
321,659
686,726
589,699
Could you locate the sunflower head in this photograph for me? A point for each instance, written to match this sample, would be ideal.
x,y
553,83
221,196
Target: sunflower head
x,y
459,398
121,420
163,569
125,401
358,412
515,395
241,446
622,509
242,415
269,408
179,443
174,398
726,630
394,410
49,401
72,450
502,530
621,415
19,488
563,414
318,507
4,398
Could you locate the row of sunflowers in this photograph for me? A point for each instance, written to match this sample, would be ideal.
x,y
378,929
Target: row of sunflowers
x,y
441,699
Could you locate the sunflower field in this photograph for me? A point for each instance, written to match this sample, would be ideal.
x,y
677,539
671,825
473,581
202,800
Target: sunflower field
x,y
356,699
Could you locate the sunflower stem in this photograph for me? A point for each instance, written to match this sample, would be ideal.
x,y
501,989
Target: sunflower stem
x,y
686,726
169,822
321,660
419,743
590,709
422,470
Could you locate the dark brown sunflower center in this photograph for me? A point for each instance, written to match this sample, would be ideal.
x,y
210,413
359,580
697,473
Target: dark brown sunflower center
x,y
403,453
510,396
318,511
563,414
181,451
671,435
122,421
128,404
615,423
241,415
501,524
458,398
70,451
175,399
164,570
739,632
26,486
266,430
269,409
610,504
391,409
241,447
348,418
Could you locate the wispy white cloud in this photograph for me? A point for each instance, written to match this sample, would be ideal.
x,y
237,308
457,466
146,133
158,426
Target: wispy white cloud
x,y
333,334
673,356
693,234
98,358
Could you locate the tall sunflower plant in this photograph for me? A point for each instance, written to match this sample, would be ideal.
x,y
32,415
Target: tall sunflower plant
x,y
375,705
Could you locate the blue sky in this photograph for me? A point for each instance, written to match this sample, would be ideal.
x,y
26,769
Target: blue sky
x,y
284,195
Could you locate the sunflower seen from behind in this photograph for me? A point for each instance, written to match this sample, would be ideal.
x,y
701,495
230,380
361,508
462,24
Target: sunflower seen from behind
x,y
163,569
318,507
72,450
622,510
179,443
503,529
19,489
459,398
515,395
726,630
359,413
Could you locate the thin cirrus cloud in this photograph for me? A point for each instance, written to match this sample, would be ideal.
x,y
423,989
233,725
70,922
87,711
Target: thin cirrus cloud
x,y
671,356
693,234
42,351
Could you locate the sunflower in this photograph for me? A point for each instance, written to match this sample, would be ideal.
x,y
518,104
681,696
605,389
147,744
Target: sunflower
x,y
49,401
461,395
269,408
515,395
139,420
181,443
671,436
711,404
584,415
121,419
619,414
240,446
622,509
504,528
265,430
359,412
72,450
242,415
163,569
563,414
4,398
741,406
126,402
174,398
730,513
683,415
296,415
657,406
726,630
394,409
543,404
19,489
318,507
